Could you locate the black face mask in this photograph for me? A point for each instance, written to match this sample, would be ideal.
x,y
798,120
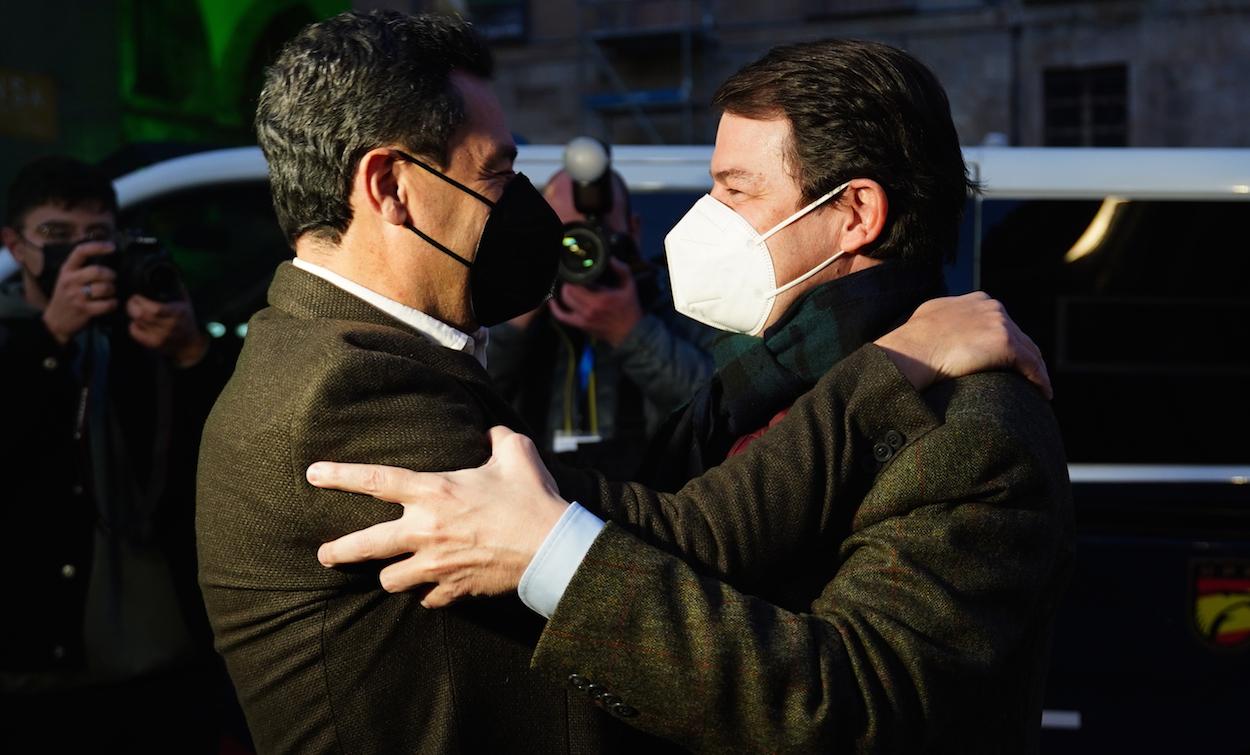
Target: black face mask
x,y
54,256
515,267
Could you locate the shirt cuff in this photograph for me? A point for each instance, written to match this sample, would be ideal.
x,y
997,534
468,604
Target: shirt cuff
x,y
548,575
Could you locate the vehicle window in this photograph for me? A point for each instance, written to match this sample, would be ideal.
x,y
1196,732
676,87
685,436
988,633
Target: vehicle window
x,y
1142,309
227,244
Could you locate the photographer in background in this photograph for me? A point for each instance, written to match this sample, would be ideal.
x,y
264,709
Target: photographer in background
x,y
597,369
105,378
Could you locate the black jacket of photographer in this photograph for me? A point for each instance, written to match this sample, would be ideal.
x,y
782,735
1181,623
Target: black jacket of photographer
x,y
78,473
663,361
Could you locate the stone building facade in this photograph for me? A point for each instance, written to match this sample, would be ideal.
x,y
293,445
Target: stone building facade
x,y
1141,73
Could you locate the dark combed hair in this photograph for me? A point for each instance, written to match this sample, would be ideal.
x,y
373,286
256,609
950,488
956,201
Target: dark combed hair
x,y
865,110
352,83
58,180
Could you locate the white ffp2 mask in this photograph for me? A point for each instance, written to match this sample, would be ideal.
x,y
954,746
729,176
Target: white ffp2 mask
x,y
720,267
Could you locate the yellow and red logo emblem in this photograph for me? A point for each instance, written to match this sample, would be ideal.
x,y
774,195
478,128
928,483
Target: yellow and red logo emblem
x,y
1222,602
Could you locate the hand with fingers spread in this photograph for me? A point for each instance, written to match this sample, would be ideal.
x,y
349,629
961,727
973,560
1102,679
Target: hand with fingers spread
x,y
168,328
608,313
959,335
84,290
470,532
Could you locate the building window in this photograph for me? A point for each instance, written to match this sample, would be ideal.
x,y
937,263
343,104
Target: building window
x,y
836,8
500,20
1086,107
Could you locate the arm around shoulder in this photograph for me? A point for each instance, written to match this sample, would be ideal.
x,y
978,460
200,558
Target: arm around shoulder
x,y
938,611
742,517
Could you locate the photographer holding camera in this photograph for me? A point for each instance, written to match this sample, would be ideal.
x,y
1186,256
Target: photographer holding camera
x,y
106,378
598,369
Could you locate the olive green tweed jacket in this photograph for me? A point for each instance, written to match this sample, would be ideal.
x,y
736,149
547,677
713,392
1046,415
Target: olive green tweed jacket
x,y
877,573
325,660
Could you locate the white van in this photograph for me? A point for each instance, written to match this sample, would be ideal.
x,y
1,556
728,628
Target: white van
x,y
1129,267
1078,243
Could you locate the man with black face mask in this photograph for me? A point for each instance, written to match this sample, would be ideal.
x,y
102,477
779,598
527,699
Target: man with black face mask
x,y
104,641
412,235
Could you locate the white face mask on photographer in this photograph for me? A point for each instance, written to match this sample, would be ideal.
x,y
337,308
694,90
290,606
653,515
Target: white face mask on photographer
x,y
720,267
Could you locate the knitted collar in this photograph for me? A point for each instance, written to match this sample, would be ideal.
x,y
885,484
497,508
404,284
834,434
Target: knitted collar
x,y
761,376
758,377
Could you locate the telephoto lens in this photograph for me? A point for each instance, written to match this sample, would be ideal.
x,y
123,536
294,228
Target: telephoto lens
x,y
583,254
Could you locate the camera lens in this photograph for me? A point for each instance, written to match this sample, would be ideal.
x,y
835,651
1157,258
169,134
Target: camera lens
x,y
583,255
157,278
144,267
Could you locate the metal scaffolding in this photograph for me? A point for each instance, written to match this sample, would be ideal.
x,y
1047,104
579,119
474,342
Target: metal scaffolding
x,y
624,44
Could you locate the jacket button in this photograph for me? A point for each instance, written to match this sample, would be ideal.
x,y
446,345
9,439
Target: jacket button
x,y
77,489
58,652
579,682
596,691
894,439
50,363
68,571
882,453
623,710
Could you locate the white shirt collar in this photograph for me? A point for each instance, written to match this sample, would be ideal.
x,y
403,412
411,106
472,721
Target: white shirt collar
x,y
436,330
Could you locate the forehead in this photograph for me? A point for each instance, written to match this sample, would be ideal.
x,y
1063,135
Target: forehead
x,y
80,215
485,131
750,148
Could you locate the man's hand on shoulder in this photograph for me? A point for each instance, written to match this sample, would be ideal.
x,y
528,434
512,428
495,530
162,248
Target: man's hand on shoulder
x,y
956,336
470,532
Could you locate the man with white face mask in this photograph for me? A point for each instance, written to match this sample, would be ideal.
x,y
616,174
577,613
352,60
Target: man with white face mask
x,y
878,574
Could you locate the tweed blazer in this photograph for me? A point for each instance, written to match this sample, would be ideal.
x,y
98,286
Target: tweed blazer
x,y
878,573
325,660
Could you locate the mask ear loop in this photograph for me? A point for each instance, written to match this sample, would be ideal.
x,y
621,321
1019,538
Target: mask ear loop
x,y
410,159
425,236
821,200
439,246
808,274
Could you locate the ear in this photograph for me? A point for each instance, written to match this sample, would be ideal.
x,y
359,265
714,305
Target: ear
x,y
376,187
865,207
10,238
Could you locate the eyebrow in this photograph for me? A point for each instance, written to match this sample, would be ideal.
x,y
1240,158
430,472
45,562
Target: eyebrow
x,y
63,224
739,173
502,155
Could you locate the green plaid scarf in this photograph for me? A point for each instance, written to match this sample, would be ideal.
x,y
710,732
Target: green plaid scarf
x,y
758,377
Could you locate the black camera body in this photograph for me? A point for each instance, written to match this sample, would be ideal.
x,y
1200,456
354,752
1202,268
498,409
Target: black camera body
x,y
143,267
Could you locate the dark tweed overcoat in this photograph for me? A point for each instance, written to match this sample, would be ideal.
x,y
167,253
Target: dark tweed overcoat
x,y
878,573
325,660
